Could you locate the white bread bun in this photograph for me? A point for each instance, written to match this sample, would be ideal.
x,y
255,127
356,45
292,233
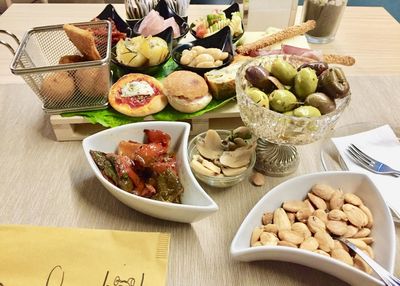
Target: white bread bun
x,y
186,91
189,106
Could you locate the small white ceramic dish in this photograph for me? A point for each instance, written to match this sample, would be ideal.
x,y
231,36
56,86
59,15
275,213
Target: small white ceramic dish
x,y
196,204
296,189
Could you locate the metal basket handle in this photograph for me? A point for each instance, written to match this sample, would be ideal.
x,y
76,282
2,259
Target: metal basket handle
x,y
7,44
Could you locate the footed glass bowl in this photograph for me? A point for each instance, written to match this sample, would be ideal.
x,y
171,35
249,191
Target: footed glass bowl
x,y
277,132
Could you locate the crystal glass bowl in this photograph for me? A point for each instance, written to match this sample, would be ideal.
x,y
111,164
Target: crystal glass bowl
x,y
277,132
277,127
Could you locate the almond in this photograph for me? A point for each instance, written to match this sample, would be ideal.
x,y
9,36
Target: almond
x,y
281,219
303,214
352,199
317,201
337,200
293,206
351,230
325,241
309,205
315,224
323,191
291,236
368,250
361,264
292,217
267,238
258,179
337,227
358,242
338,244
342,255
319,251
364,232
367,240
267,218
355,215
255,236
337,214
301,228
321,214
310,243
368,214
271,228
286,243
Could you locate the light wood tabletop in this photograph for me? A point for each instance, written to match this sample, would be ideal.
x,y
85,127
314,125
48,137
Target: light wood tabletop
x,y
44,182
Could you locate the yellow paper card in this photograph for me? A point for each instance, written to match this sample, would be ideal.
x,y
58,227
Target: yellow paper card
x,y
49,256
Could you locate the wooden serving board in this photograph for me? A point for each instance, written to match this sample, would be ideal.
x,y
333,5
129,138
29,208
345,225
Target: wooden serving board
x,y
77,128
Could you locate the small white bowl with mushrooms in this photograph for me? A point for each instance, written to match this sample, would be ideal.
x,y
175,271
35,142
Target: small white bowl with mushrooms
x,y
222,158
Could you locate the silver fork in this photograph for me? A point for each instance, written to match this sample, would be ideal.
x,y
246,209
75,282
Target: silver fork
x,y
369,163
386,277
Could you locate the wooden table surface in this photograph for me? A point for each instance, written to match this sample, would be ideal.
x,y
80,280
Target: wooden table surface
x,y
43,182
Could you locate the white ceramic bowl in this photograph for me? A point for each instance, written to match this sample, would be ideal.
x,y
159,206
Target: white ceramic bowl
x,y
196,204
296,189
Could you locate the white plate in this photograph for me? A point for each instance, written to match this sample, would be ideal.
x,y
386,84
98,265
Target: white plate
x,y
296,189
196,204
331,159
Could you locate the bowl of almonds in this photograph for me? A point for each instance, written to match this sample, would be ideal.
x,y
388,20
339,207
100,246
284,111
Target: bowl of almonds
x,y
300,221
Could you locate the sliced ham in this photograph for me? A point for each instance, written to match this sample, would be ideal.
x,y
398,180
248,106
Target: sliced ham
x,y
153,24
266,53
310,55
170,22
307,53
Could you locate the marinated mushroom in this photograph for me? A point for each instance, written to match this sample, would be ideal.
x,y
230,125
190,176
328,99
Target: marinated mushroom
x,y
237,158
228,157
210,147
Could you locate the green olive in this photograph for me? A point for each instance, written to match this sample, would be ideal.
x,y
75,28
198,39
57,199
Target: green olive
x,y
321,101
283,71
306,111
282,100
290,113
305,82
258,96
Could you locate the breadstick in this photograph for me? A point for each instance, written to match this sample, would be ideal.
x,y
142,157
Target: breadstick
x,y
338,59
286,33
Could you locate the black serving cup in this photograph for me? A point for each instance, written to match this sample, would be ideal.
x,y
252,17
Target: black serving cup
x,y
109,12
163,9
228,12
166,35
221,40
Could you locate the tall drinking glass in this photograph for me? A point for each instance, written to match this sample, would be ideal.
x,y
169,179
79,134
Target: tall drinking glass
x,y
258,15
327,15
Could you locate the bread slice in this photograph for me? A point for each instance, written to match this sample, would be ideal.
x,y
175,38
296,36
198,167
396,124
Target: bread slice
x,y
83,40
221,82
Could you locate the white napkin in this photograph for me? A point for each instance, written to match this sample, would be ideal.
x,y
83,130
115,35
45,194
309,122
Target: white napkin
x,y
383,145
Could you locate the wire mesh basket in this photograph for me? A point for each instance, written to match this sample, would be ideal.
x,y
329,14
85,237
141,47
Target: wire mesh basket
x,y
65,87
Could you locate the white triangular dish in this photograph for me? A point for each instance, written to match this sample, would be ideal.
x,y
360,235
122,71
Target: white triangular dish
x,y
196,204
296,188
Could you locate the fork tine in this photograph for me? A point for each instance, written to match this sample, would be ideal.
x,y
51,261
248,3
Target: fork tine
x,y
359,161
361,153
358,158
